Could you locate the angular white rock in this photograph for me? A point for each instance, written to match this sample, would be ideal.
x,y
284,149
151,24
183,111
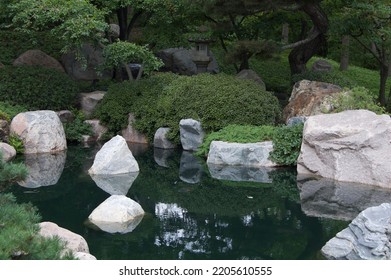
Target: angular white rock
x,y
191,134
118,213
114,158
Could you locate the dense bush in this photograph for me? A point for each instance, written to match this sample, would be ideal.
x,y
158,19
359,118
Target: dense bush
x,y
165,99
354,99
37,88
328,77
74,130
11,110
10,172
287,144
239,134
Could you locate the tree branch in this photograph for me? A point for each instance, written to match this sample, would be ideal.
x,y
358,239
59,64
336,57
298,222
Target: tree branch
x,y
315,33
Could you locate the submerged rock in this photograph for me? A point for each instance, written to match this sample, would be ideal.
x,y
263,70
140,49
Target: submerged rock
x,y
240,173
368,237
117,214
114,158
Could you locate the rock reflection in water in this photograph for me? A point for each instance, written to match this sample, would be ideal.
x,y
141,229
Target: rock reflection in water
x,y
322,197
43,169
240,173
115,184
190,169
161,156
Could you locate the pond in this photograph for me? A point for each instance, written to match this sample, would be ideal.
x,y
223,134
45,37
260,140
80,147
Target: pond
x,y
194,211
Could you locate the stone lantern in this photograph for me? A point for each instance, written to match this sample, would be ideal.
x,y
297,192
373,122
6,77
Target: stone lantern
x,y
200,53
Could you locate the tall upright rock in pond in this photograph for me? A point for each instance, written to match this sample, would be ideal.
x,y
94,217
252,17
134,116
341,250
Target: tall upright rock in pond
x,y
191,134
114,158
351,146
40,131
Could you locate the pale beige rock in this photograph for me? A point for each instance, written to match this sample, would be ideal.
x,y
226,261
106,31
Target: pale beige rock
x,y
98,130
74,242
352,146
7,151
88,101
40,131
131,135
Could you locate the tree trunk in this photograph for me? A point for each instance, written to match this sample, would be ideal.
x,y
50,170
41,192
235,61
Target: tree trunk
x,y
383,82
122,16
344,63
315,41
285,33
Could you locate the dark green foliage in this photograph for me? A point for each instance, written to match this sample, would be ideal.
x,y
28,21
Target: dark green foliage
x,y
165,99
13,44
217,101
328,77
11,110
286,144
75,129
19,237
37,87
16,142
239,134
10,172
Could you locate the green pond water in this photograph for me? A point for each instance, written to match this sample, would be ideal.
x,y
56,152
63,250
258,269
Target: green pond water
x,y
194,211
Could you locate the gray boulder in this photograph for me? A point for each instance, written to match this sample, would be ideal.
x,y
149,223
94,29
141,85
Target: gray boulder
x,y
117,214
296,120
368,237
75,69
114,30
115,184
131,135
114,158
309,98
40,131
248,74
249,154
321,66
191,134
38,58
88,101
352,146
43,169
75,243
65,116
7,151
160,139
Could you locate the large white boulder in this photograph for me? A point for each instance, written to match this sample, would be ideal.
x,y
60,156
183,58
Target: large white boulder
x,y
248,154
40,131
118,213
368,237
352,146
74,243
114,158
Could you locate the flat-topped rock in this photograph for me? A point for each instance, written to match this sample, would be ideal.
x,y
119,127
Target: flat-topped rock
x,y
191,134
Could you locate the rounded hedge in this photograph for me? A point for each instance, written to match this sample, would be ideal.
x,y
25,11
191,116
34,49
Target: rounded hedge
x,y
37,88
165,99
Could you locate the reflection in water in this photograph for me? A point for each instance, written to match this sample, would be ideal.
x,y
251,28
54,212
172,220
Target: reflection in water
x,y
43,169
240,173
162,156
190,170
118,184
322,197
116,227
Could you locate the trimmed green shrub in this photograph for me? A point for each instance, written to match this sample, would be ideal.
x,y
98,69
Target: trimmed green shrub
x,y
286,144
37,88
11,172
217,101
75,129
238,134
335,78
165,99
354,99
11,110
